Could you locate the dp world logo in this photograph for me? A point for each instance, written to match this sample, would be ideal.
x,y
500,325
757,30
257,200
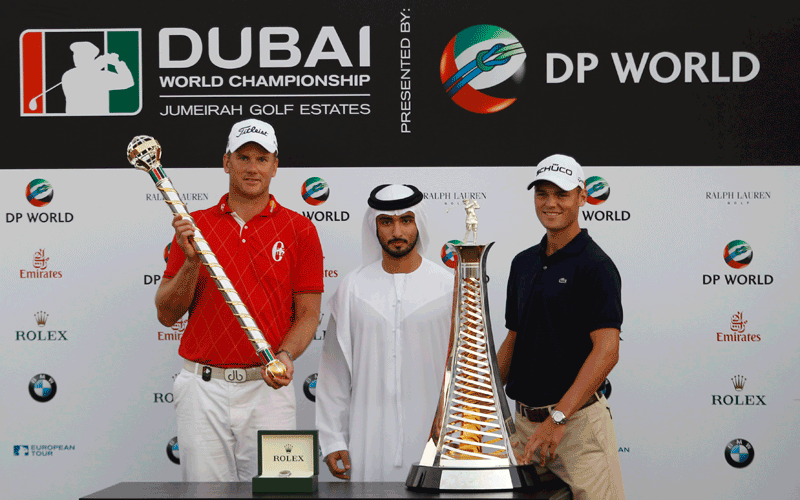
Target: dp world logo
x,y
482,68
315,191
94,72
449,255
39,192
739,453
738,254
42,387
597,190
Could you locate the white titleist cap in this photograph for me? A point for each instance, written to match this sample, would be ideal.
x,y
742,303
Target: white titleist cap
x,y
252,130
561,170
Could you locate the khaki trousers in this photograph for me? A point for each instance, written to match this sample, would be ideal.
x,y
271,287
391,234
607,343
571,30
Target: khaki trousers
x,y
587,457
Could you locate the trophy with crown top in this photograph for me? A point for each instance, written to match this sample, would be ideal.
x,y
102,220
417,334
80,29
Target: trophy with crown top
x,y
144,153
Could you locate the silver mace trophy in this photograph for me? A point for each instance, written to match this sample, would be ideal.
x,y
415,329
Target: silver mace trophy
x,y
144,153
469,447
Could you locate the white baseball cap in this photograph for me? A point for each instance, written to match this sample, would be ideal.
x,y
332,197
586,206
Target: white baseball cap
x,y
561,170
252,130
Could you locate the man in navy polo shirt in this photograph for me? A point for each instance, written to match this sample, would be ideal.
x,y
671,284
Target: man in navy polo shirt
x,y
563,313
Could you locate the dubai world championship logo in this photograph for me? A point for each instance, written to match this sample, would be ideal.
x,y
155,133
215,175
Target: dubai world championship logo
x,y
315,191
39,192
92,72
597,190
738,254
482,68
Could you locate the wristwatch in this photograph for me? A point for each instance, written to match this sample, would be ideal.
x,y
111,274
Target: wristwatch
x,y
287,353
558,417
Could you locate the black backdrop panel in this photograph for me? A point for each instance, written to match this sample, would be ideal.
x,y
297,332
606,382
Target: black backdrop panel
x,y
599,120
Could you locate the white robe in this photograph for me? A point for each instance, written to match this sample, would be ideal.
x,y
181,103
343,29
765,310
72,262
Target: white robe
x,y
382,367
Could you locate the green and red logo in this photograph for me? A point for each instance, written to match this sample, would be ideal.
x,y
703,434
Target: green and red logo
x,y
597,190
39,192
738,254
166,251
315,191
92,72
449,255
482,68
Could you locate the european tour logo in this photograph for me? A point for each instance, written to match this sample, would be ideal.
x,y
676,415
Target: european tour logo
x,y
93,72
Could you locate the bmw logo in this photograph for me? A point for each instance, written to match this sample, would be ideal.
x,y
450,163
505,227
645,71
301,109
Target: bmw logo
x,y
739,453
42,387
172,451
310,387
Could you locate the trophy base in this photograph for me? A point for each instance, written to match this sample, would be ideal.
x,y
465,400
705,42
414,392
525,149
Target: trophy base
x,y
422,477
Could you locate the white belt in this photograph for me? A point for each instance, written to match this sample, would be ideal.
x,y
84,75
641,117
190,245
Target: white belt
x,y
235,375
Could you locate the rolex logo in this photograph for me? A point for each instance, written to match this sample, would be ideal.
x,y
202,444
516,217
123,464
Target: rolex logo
x,y
738,382
288,448
41,318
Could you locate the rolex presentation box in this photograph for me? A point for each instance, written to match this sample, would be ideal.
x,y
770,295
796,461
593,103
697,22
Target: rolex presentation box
x,y
288,462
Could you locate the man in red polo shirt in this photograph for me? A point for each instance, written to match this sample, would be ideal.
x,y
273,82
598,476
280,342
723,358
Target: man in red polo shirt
x,y
273,257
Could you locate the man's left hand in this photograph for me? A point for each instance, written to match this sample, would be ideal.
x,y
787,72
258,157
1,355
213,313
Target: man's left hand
x,y
545,438
278,382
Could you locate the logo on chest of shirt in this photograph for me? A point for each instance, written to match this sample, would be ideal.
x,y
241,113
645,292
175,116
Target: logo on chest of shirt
x,y
278,251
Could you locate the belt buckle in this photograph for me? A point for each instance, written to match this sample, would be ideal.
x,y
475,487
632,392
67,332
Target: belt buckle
x,y
235,375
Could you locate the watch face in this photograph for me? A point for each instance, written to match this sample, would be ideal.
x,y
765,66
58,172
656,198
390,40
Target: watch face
x,y
559,417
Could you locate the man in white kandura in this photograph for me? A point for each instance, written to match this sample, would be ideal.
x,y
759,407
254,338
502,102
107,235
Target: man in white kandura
x,y
386,345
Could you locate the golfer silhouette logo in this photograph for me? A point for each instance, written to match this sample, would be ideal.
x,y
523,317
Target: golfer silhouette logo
x,y
94,72
86,86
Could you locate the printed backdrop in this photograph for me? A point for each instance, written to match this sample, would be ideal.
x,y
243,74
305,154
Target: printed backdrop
x,y
685,116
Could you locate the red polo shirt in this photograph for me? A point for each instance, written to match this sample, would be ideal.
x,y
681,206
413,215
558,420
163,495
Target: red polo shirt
x,y
275,255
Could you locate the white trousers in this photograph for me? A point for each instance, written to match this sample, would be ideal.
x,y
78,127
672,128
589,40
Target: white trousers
x,y
218,424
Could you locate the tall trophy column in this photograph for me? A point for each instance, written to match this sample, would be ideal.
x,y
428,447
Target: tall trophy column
x,y
469,447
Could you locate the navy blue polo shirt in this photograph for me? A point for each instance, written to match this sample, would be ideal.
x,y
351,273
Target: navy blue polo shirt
x,y
553,303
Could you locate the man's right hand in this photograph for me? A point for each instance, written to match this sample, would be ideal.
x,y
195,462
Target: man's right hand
x,y
184,230
333,464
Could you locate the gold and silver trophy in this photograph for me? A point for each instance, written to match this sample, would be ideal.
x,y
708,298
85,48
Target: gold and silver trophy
x,y
469,446
144,153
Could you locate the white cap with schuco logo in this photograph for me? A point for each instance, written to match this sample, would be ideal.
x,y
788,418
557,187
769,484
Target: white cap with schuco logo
x,y
561,170
252,130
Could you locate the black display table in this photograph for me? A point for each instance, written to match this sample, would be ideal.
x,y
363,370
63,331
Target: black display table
x,y
555,490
